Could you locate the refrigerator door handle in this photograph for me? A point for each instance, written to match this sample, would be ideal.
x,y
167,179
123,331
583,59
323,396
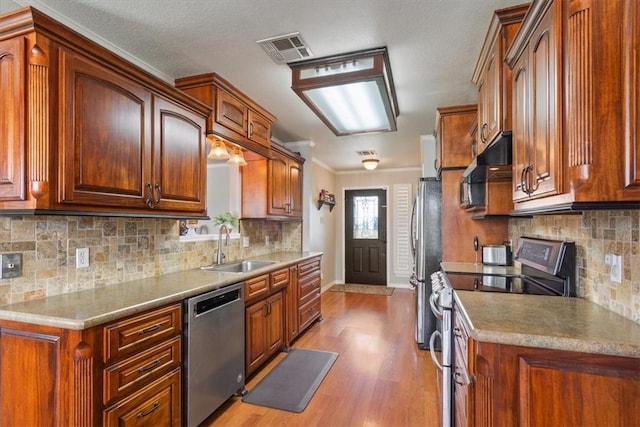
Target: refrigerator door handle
x,y
413,228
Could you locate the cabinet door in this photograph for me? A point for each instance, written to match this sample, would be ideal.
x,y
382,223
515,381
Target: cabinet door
x,y
520,136
180,161
12,121
259,129
632,107
275,323
291,306
256,349
295,189
546,93
232,113
105,136
277,186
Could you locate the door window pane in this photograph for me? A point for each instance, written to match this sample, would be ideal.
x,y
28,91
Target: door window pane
x,y
365,217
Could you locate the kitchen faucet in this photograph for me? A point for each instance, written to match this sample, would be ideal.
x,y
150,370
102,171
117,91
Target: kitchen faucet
x,y
227,230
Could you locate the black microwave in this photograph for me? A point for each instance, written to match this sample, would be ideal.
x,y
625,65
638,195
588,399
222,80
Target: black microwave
x,y
472,194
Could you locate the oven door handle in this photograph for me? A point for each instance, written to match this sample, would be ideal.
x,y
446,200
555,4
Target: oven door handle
x,y
432,342
437,311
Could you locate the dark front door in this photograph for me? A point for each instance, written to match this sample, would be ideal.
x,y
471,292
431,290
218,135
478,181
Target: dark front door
x,y
366,237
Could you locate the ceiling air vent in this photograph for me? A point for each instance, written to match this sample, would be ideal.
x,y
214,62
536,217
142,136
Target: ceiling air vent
x,y
287,48
366,153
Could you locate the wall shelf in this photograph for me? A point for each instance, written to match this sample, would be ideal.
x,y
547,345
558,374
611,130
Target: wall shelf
x,y
326,202
326,198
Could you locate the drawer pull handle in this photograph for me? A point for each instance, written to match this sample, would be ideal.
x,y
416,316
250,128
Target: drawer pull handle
x,y
149,329
143,414
149,367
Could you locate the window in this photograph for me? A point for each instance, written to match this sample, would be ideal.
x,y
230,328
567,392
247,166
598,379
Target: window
x,y
365,217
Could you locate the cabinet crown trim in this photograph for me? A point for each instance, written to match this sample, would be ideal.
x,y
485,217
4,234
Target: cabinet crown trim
x,y
500,18
531,20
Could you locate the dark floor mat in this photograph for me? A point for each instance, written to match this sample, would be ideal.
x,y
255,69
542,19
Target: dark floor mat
x,y
292,383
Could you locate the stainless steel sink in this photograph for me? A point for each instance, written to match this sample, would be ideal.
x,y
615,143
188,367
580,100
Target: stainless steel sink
x,y
238,267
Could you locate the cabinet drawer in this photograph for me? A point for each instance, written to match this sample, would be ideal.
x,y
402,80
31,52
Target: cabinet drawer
x,y
308,285
158,404
129,374
137,333
258,286
280,278
309,312
308,267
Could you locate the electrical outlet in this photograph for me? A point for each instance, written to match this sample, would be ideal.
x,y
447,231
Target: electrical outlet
x,y
266,239
615,272
607,259
82,257
245,242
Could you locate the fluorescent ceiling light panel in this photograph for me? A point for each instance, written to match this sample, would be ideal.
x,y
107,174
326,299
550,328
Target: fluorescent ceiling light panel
x,y
351,93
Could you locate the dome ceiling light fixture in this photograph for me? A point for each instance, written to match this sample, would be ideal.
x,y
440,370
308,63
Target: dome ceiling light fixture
x,y
370,164
351,93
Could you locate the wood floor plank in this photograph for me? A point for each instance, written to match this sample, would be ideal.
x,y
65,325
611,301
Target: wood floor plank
x,y
380,378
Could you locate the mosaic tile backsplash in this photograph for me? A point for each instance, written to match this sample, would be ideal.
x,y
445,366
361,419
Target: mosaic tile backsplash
x,y
595,234
120,250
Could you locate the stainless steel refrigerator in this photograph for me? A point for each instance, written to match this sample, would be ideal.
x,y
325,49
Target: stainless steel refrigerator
x,y
426,245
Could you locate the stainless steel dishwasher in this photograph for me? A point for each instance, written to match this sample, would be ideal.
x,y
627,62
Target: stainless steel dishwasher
x,y
214,351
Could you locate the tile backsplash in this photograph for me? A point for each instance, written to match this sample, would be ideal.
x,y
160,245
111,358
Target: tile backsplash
x,y
120,249
596,233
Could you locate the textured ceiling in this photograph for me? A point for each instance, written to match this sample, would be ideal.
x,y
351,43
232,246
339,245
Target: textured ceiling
x,y
433,47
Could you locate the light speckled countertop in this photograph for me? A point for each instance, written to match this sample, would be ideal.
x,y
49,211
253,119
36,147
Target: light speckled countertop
x,y
91,307
572,324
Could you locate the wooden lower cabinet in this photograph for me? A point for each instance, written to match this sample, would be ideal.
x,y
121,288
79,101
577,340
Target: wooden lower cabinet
x,y
292,322
264,323
124,373
158,404
309,285
534,387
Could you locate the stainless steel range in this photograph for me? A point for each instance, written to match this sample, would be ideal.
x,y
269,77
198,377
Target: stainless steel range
x,y
547,267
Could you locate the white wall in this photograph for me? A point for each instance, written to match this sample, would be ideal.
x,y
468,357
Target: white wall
x,y
428,149
373,179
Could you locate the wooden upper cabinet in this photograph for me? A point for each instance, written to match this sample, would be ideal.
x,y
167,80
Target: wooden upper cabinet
x,y
259,129
103,135
12,120
575,138
272,188
180,157
536,134
632,91
236,117
106,138
110,157
284,186
493,77
231,113
454,143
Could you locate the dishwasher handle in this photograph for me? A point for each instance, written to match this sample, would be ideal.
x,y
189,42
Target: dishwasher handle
x,y
216,301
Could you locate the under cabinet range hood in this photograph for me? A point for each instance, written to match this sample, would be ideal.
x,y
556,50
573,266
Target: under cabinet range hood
x,y
494,157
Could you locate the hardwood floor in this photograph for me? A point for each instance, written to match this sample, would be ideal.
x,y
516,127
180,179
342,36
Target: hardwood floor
x,y
380,378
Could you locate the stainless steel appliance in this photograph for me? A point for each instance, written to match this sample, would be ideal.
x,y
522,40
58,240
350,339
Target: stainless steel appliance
x,y
213,351
496,255
548,267
426,247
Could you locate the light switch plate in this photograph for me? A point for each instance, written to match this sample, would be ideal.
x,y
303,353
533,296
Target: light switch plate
x,y
11,265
